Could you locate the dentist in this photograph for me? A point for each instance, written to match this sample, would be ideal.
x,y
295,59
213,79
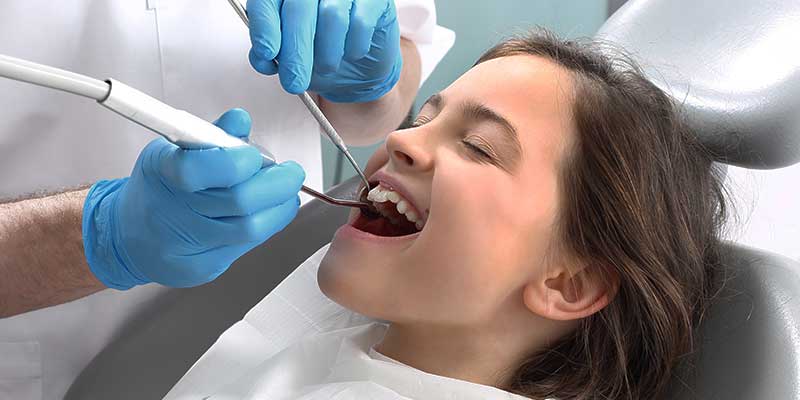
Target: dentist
x,y
70,227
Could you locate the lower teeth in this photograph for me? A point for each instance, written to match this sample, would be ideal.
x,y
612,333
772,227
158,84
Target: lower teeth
x,y
387,210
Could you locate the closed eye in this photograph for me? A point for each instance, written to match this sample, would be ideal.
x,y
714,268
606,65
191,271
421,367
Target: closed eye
x,y
421,120
481,150
478,150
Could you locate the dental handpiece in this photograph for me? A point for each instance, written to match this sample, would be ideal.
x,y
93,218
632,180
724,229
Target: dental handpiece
x,y
177,126
312,107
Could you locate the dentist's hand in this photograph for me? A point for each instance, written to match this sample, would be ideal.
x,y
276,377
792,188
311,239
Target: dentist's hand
x,y
184,216
345,50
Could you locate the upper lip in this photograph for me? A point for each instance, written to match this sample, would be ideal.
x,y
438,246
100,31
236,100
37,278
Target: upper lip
x,y
393,183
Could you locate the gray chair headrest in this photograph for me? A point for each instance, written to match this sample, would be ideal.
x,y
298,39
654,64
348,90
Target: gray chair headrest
x,y
734,64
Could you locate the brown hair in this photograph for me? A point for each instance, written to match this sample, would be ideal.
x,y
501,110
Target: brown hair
x,y
644,203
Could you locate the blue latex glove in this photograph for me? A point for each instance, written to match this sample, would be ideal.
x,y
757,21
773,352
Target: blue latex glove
x,y
345,50
183,216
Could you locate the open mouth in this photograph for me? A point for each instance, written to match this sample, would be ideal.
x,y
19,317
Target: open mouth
x,y
395,215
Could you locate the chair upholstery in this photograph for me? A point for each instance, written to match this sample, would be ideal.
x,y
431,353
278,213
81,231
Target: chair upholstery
x,y
749,347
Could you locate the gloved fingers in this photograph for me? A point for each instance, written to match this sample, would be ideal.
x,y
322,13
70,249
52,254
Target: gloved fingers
x,y
268,188
262,65
194,170
225,256
256,227
198,268
236,122
364,17
265,28
333,22
296,58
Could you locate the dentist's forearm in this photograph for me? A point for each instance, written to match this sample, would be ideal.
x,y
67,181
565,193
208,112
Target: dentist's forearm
x,y
41,253
362,124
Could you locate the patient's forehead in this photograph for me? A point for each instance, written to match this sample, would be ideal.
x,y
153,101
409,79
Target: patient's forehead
x,y
533,93
517,84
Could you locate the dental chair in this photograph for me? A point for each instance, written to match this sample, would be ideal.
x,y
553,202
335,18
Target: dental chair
x,y
734,64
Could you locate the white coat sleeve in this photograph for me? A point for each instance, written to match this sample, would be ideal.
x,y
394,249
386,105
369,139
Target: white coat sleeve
x,y
417,19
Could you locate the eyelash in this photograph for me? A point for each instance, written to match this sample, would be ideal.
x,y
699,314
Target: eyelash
x,y
421,120
475,149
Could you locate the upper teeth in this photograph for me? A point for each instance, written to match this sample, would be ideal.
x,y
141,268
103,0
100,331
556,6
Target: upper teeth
x,y
381,194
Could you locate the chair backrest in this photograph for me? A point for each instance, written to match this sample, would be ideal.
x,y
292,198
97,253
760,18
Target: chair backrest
x,y
748,347
735,67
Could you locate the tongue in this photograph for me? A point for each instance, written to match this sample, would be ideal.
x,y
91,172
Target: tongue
x,y
382,226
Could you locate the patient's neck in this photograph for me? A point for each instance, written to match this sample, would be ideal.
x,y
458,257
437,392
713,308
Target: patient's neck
x,y
471,358
487,353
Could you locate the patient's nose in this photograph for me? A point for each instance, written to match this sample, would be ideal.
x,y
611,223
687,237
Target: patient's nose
x,y
406,150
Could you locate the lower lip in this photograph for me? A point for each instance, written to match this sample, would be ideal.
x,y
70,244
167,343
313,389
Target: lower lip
x,y
347,231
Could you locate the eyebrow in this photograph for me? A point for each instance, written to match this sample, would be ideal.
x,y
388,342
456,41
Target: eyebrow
x,y
479,112
436,100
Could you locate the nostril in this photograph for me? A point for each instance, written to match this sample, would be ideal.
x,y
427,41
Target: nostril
x,y
404,157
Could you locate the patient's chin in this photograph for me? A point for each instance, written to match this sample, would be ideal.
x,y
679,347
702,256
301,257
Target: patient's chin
x,y
334,283
325,280
342,283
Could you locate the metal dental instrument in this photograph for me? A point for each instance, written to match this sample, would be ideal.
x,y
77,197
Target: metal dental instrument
x,y
312,107
177,126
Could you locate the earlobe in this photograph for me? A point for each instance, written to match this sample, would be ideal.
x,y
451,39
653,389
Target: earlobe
x,y
569,296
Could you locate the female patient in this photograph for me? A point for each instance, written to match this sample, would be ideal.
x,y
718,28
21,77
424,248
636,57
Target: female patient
x,y
548,229
553,229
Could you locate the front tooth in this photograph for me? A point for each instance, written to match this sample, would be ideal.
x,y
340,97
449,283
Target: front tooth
x,y
411,216
380,196
393,197
372,193
402,206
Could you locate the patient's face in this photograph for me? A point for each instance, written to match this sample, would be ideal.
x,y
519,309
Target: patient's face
x,y
480,169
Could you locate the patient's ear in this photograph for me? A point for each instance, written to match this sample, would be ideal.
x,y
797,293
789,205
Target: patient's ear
x,y
566,294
